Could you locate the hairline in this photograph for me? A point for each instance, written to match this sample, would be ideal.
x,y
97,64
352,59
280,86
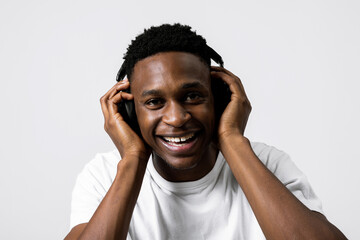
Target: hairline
x,y
206,64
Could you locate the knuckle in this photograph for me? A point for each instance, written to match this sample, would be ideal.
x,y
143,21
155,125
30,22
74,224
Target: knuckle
x,y
106,127
113,123
109,101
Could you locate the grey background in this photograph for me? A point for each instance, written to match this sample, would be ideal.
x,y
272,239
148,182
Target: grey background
x,y
298,60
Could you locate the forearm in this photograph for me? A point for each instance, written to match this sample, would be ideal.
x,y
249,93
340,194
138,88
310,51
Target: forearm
x,y
112,218
280,214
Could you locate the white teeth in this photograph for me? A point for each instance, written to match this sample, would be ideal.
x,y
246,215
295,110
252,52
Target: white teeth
x,y
179,139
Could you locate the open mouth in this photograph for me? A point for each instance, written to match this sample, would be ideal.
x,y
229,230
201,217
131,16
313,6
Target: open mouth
x,y
179,141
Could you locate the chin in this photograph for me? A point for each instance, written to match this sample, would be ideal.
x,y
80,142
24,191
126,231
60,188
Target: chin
x,y
180,162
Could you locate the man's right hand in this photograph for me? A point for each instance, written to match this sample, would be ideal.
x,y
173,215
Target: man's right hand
x,y
125,139
112,218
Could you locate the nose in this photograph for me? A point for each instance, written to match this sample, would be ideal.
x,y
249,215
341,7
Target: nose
x,y
175,115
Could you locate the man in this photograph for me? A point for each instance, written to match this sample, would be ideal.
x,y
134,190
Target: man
x,y
191,173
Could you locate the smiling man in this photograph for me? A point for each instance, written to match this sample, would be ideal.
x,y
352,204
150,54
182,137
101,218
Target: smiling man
x,y
190,173
176,114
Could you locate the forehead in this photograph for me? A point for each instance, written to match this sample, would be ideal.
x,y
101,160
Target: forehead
x,y
169,67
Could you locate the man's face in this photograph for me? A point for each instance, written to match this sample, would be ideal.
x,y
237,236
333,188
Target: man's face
x,y
174,106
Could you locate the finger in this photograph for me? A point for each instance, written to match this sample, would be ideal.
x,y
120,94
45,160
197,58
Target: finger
x,y
112,104
236,78
114,101
230,79
122,85
104,108
120,96
233,83
235,86
221,69
106,95
117,95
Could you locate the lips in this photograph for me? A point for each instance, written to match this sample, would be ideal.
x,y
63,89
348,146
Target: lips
x,y
179,144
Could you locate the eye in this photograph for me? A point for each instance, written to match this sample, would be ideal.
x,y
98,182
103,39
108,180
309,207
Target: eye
x,y
193,97
154,103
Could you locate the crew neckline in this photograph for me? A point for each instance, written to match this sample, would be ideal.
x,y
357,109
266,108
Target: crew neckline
x,y
186,187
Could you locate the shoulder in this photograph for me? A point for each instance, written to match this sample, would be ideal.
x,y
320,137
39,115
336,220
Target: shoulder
x,y
268,154
280,164
277,161
91,186
101,169
104,161
97,175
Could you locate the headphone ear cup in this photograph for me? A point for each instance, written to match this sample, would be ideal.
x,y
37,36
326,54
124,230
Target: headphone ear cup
x,y
132,118
130,109
222,96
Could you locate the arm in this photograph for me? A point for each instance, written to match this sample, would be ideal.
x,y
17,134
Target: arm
x,y
112,218
280,214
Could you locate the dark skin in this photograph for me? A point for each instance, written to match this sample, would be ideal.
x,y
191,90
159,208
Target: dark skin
x,y
173,99
176,101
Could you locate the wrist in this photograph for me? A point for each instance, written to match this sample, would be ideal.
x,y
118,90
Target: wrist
x,y
233,142
132,163
228,138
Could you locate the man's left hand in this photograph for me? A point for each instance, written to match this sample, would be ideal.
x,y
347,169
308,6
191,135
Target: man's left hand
x,y
236,114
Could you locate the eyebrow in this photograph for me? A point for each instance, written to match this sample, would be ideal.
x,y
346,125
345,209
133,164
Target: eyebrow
x,y
155,92
151,92
192,85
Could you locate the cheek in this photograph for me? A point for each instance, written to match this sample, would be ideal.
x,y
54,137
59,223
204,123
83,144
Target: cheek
x,y
147,122
205,115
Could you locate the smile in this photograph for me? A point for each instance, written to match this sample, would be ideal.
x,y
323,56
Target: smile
x,y
180,144
179,140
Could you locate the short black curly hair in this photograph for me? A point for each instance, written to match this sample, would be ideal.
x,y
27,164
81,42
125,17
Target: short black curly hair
x,y
165,38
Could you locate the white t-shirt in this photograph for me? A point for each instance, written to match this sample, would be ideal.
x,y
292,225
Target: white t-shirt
x,y
213,207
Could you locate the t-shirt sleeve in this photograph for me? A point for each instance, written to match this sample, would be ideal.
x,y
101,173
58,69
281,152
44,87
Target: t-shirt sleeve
x,y
91,186
280,164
